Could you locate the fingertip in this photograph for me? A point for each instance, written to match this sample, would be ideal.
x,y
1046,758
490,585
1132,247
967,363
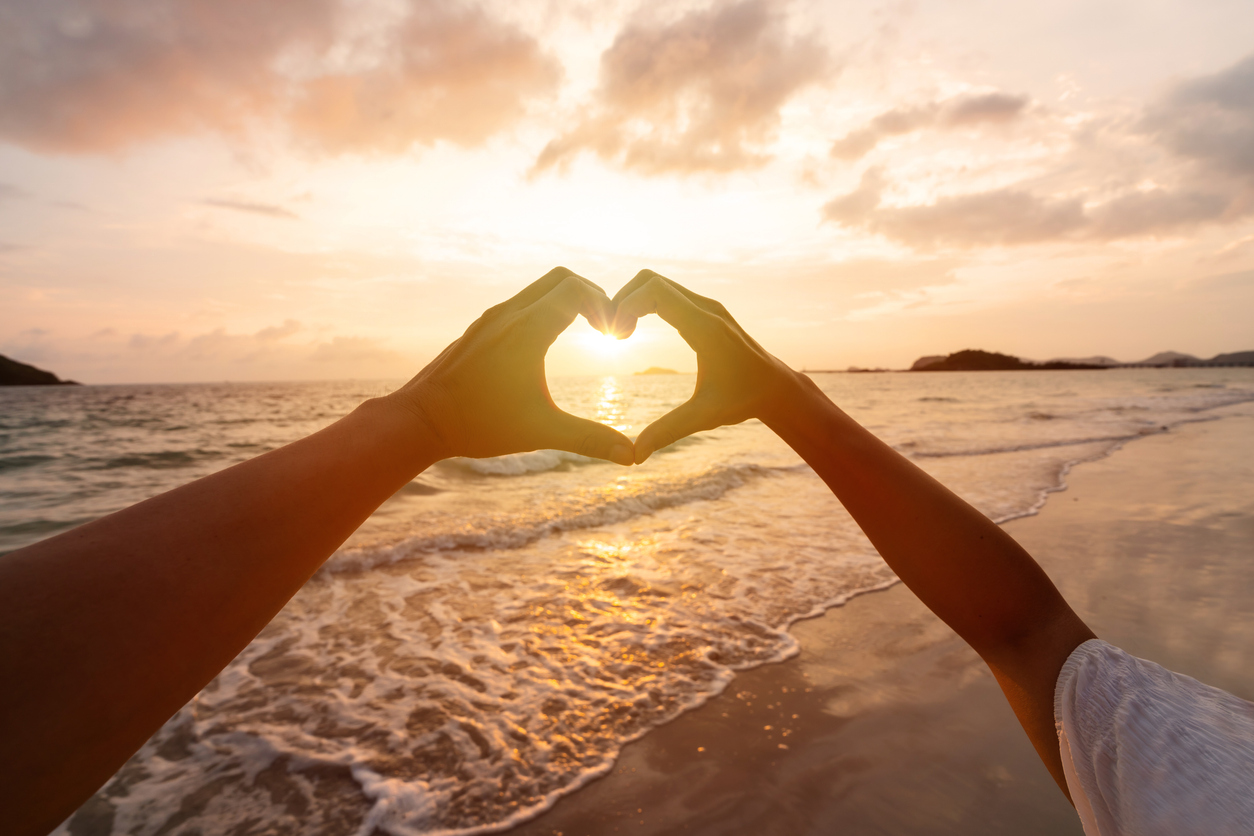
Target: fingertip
x,y
623,454
622,329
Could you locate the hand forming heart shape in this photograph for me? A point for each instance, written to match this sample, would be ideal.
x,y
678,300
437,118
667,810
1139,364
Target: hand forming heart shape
x,y
486,394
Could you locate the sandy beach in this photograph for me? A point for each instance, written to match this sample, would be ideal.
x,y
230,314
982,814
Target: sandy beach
x,y
887,723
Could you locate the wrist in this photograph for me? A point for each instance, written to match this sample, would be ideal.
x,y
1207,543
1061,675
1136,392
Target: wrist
x,y
407,427
791,396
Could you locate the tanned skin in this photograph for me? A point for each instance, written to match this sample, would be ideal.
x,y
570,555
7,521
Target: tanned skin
x,y
964,567
108,629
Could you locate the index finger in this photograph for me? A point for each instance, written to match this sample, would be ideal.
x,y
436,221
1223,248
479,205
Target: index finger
x,y
556,310
623,325
660,296
541,287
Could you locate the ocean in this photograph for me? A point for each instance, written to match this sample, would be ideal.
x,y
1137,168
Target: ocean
x,y
496,632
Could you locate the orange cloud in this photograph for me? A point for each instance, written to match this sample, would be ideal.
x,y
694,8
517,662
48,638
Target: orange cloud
x,y
449,73
959,112
702,93
97,75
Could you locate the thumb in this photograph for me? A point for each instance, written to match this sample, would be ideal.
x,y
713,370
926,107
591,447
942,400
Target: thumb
x,y
592,439
683,420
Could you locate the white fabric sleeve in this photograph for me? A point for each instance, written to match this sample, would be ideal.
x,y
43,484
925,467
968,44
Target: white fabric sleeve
x,y
1148,752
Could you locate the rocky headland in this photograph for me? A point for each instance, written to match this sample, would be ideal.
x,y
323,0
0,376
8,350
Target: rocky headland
x,y
13,373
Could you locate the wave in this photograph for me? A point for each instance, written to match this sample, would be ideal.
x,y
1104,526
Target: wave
x,y
160,460
1039,445
518,464
592,509
19,461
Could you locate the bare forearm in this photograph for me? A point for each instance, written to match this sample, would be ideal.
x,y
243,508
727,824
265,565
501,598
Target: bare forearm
x,y
965,568
113,626
962,565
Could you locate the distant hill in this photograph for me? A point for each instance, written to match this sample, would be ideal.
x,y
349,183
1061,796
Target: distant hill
x,y
1176,359
13,373
975,360
1234,358
1098,360
657,370
1169,358
923,362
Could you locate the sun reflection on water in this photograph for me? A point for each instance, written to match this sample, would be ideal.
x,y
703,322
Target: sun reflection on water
x,y
610,407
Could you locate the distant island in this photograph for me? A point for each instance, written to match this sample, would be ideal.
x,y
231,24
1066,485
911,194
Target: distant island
x,y
13,373
657,370
975,360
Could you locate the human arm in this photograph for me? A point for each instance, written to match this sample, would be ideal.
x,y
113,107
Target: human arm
x,y
964,567
106,630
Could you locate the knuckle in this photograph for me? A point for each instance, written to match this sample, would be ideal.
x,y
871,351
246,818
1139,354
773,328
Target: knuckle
x,y
587,446
724,329
493,312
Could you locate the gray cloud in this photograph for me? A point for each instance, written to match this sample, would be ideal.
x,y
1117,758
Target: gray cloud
x,y
1210,120
1200,151
83,76
999,217
958,112
267,209
10,192
701,93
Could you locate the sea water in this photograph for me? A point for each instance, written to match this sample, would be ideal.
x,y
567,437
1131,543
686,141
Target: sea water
x,y
491,637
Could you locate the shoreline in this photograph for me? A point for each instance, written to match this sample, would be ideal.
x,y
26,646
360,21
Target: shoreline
x,y
886,722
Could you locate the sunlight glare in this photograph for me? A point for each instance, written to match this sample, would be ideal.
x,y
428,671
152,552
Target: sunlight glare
x,y
606,346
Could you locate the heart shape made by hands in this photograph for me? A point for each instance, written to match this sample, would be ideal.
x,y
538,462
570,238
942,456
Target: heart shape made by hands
x,y
733,372
619,382
487,393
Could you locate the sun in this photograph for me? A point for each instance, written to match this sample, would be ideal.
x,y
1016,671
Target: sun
x,y
605,346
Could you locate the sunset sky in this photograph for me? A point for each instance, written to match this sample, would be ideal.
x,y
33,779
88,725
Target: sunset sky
x,y
232,190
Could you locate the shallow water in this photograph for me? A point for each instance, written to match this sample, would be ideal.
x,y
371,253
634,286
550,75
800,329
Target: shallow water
x,y
491,637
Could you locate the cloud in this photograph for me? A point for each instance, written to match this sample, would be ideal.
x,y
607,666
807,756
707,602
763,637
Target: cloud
x,y
855,207
278,332
1210,120
963,111
354,351
10,192
265,347
85,76
1186,160
267,209
448,73
1234,249
145,342
998,217
702,93
1241,280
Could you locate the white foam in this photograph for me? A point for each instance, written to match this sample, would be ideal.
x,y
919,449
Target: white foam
x,y
589,510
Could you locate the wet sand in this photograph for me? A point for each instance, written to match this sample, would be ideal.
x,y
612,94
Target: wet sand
x,y
887,723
